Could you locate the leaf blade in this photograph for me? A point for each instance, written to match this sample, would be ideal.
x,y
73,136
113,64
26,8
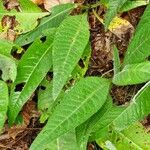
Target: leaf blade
x,y
113,8
133,74
73,106
32,68
68,49
141,39
58,14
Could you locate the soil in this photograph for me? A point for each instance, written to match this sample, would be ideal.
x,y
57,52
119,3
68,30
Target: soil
x,y
101,64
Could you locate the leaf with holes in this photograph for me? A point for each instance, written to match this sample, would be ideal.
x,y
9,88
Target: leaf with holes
x,y
3,103
70,41
135,137
32,68
80,103
59,13
139,48
26,18
133,74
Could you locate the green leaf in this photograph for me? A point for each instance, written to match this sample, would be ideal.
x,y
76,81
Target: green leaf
x,y
27,18
45,95
28,6
70,41
59,13
121,117
138,49
113,8
137,110
133,74
6,47
84,130
32,68
117,64
8,68
65,142
135,137
103,124
131,4
80,103
3,103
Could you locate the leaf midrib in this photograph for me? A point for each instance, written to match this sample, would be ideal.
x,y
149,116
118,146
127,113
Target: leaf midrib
x,y
90,96
27,80
130,54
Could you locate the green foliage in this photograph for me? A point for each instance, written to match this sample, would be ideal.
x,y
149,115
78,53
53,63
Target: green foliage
x,y
52,68
85,130
8,68
140,52
117,64
113,7
32,68
138,109
135,137
131,4
70,41
5,48
81,102
133,74
3,103
52,21
65,142
27,18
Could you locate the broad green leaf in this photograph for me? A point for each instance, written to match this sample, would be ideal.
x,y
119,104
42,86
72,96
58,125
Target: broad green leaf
x,y
32,68
113,7
70,41
27,18
29,6
103,124
133,74
139,48
65,142
137,110
131,4
117,64
3,103
121,117
80,103
84,130
8,68
59,13
5,47
135,137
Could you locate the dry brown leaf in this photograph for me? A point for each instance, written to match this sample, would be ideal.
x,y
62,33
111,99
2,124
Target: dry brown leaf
x,y
15,130
11,4
38,2
48,4
8,24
